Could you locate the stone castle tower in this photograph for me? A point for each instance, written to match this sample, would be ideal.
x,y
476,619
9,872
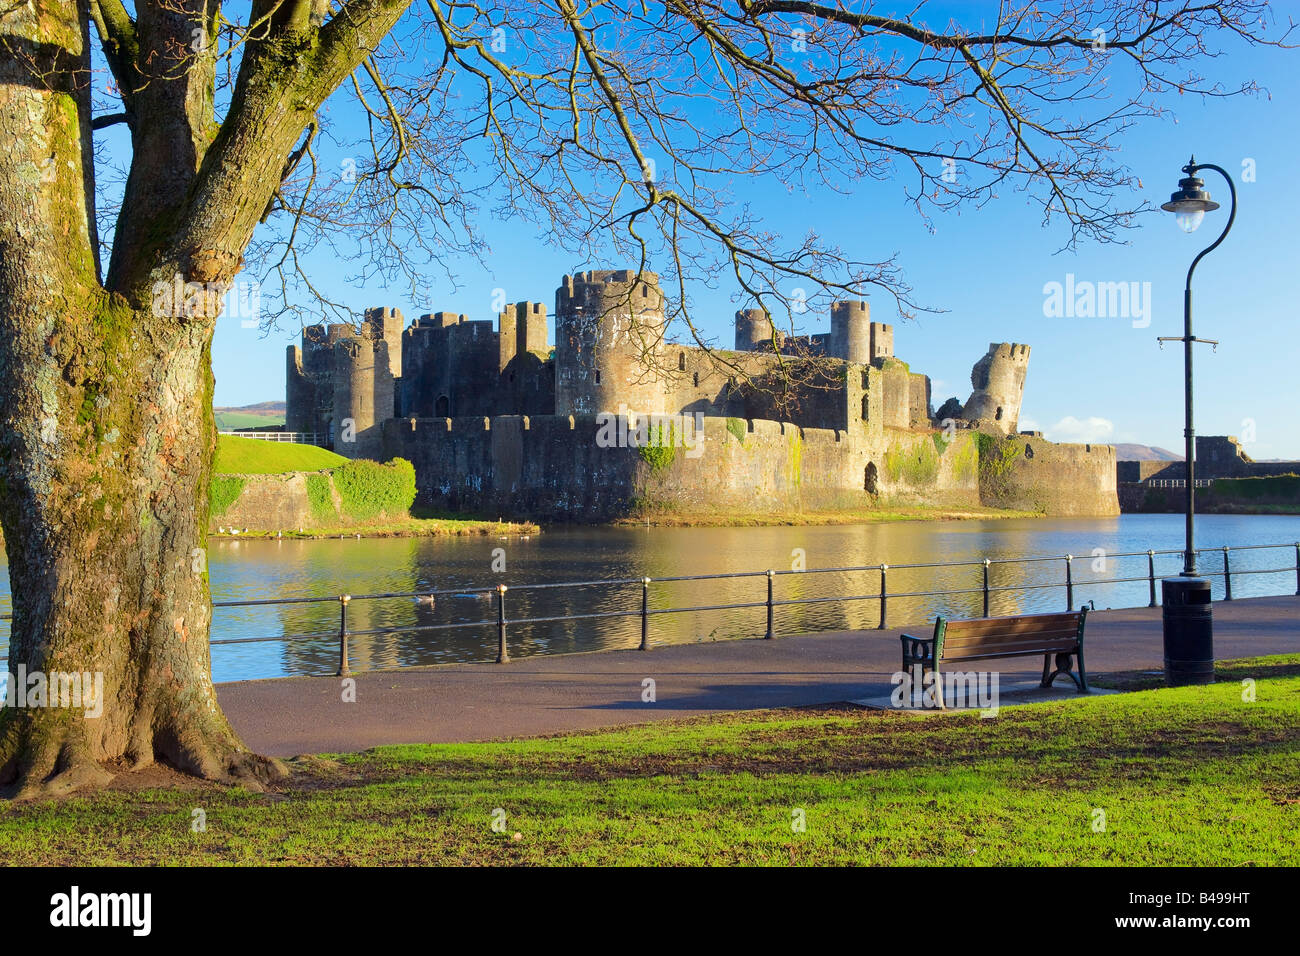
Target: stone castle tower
x,y
754,332
606,323
998,380
853,336
342,372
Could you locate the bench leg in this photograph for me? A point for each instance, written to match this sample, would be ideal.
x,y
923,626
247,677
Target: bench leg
x,y
1047,671
1083,675
1063,665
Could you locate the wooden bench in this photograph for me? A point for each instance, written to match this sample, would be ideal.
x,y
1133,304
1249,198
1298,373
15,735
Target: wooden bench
x,y
992,638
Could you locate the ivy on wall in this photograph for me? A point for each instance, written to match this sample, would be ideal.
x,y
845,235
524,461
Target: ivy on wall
x,y
997,456
661,450
916,466
225,490
366,490
320,497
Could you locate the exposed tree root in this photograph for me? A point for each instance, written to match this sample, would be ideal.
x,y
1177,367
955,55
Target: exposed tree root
x,y
45,760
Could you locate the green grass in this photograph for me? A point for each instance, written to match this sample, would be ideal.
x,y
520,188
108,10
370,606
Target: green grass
x,y
403,527
251,456
1188,776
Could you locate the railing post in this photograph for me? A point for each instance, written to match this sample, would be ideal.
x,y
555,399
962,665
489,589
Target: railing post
x,y
1151,576
503,655
1227,576
771,576
986,587
645,614
1069,582
1297,567
344,669
884,595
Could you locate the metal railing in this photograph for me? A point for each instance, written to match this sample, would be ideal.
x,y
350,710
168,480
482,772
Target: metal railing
x,y
643,610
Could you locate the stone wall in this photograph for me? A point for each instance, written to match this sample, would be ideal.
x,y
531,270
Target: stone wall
x,y
552,468
269,503
1032,474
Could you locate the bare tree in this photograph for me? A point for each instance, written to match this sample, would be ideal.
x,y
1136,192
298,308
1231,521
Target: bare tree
x,y
616,129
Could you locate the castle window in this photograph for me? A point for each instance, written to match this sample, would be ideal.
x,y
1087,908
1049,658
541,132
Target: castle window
x,y
697,379
441,408
998,416
681,361
871,477
865,404
597,376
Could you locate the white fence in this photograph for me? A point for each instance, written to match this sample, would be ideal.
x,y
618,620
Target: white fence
x,y
295,438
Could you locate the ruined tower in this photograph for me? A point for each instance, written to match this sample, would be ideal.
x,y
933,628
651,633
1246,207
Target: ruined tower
x,y
609,325
527,378
386,324
851,331
754,331
998,379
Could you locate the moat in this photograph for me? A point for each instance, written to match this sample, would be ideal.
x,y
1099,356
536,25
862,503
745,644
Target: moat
x,y
258,569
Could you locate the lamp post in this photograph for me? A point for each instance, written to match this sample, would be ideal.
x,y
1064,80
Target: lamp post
x,y
1187,613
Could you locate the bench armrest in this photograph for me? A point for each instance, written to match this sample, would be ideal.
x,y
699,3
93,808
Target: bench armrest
x,y
917,650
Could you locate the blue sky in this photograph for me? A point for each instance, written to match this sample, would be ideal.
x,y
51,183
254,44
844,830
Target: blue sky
x,y
1090,379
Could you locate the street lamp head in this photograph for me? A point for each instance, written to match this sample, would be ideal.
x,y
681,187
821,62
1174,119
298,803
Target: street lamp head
x,y
1192,200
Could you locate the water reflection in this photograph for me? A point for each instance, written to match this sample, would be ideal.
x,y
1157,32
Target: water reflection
x,y
253,569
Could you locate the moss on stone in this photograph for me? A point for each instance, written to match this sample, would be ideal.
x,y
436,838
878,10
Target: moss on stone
x,y
226,490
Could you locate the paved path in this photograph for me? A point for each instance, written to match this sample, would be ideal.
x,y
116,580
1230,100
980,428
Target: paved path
x,y
542,695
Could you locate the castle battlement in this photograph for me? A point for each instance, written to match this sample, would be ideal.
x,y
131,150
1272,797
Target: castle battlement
x,y
482,386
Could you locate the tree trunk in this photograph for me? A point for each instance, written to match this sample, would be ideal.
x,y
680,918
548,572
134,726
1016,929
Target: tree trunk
x,y
106,445
105,520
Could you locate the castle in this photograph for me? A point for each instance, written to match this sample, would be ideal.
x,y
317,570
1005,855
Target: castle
x,y
497,420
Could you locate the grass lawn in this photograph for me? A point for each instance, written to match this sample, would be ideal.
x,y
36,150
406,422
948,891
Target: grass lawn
x,y
411,527
251,456
1187,776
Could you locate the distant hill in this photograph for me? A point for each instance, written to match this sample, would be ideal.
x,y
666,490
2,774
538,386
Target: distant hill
x,y
261,415
1130,452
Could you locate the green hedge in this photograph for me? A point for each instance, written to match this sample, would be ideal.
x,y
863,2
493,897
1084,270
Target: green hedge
x,y
320,497
366,490
369,489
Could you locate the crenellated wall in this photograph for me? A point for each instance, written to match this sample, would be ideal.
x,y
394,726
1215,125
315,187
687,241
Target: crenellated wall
x,y
496,422
553,468
1032,474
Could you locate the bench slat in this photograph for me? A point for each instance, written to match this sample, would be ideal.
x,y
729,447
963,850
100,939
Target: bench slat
x,y
993,640
1024,651
993,657
1001,625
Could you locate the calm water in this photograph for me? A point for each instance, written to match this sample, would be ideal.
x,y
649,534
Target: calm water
x,y
252,569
